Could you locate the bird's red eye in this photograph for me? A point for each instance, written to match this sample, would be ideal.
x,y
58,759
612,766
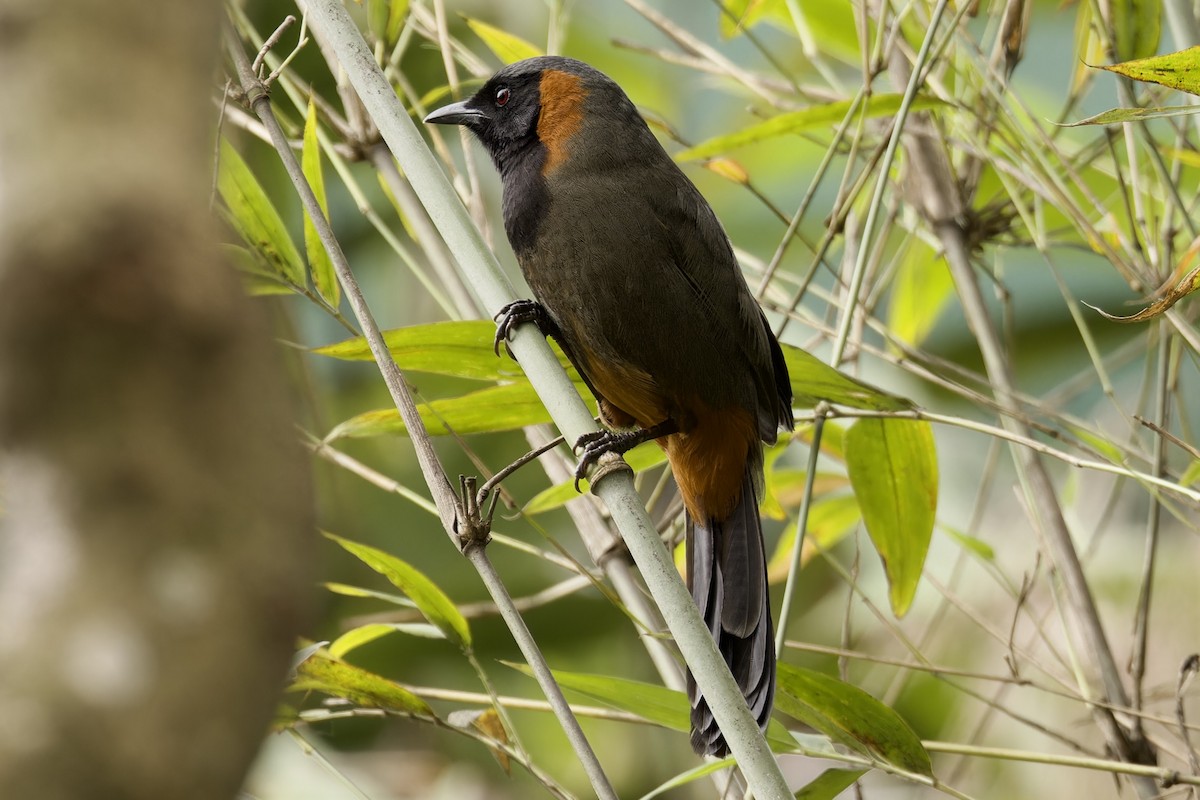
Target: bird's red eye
x,y
502,95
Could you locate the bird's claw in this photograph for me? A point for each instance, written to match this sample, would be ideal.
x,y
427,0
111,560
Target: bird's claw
x,y
595,444
514,314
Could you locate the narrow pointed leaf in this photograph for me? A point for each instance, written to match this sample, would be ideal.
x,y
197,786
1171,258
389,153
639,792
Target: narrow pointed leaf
x,y
1088,48
658,704
461,349
353,639
397,13
377,17
255,218
830,520
1137,27
1191,475
257,275
849,715
365,634
431,601
332,676
1180,70
829,784
791,122
742,15
893,467
319,264
506,407
1117,115
978,547
358,591
695,773
922,289
813,381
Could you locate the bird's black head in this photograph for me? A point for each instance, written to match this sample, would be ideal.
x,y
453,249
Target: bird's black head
x,y
535,109
545,121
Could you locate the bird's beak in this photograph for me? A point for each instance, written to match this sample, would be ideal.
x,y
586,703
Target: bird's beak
x,y
456,114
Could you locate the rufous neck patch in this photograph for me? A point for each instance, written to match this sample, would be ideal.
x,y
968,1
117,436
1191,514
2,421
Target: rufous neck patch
x,y
561,115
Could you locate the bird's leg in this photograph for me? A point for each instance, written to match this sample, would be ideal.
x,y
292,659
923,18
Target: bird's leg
x,y
518,312
597,443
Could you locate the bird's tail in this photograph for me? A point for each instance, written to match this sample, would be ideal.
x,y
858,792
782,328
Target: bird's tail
x,y
727,575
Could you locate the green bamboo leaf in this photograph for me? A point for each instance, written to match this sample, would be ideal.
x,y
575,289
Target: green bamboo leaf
x,y
684,778
255,218
657,704
346,590
324,673
786,485
319,264
833,28
377,17
642,457
1191,474
849,715
880,105
742,15
397,13
461,349
507,407
1101,445
357,637
833,438
1179,70
1137,27
1087,48
257,276
1118,115
829,784
431,601
365,634
506,47
434,97
978,547
813,381
386,188
893,467
830,519
922,289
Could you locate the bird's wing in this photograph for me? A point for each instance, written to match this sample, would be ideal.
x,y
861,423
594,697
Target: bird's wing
x,y
704,257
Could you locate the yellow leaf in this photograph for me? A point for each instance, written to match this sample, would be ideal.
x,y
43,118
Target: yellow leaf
x,y
728,169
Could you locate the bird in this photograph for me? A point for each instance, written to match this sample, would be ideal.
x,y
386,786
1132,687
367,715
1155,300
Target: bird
x,y
633,275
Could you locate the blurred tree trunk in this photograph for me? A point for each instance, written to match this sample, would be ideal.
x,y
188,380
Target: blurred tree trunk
x,y
156,513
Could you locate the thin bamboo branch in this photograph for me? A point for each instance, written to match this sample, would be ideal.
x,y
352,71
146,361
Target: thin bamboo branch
x,y
1167,777
1141,626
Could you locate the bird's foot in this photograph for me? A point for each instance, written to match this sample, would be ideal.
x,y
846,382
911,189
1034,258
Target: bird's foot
x,y
517,313
595,444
